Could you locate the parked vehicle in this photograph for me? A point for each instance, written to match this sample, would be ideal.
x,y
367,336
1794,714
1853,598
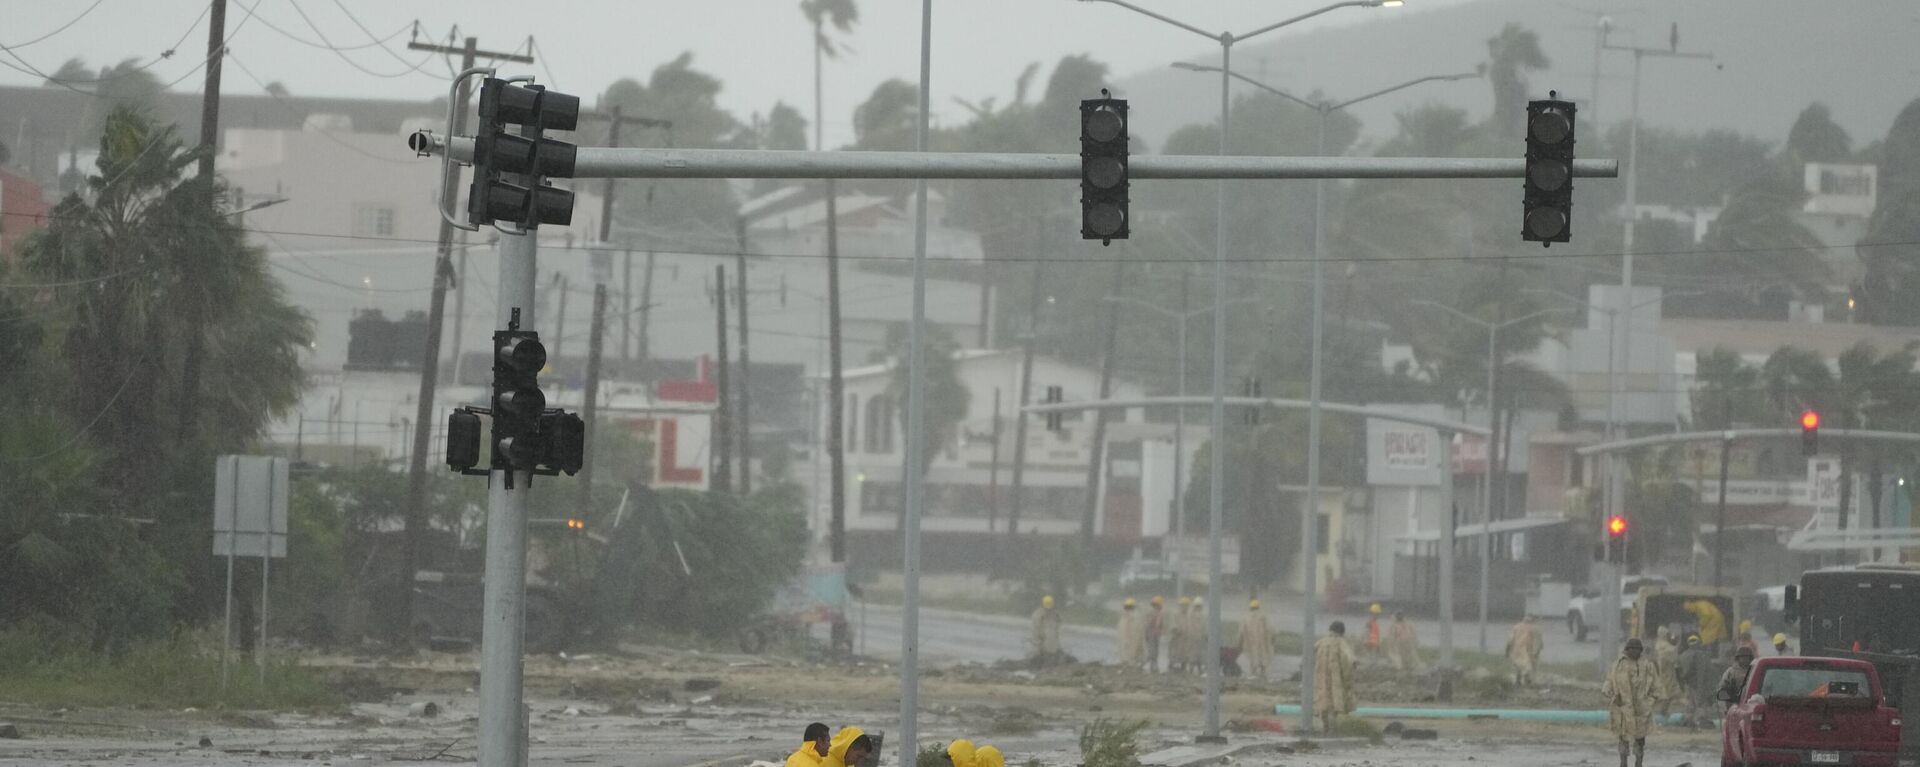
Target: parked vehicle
x,y
1797,710
1584,610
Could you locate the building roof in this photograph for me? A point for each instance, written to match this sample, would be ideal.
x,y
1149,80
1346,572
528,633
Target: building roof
x,y
1762,337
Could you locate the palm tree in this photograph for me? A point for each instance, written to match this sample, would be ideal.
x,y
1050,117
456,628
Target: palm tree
x,y
1511,56
1869,391
842,14
1729,391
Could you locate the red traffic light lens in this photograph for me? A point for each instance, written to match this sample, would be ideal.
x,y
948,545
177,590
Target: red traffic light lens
x,y
1810,420
1617,526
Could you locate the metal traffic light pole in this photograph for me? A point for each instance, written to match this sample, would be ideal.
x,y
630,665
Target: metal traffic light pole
x,y
603,162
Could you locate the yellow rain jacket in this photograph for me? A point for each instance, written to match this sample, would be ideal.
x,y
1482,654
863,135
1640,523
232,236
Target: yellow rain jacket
x,y
988,756
837,753
807,756
1713,625
962,753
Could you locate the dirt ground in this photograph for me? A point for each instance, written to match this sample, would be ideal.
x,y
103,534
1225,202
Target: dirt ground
x,y
648,707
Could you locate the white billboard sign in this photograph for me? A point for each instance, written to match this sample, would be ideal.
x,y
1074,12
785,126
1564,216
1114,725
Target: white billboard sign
x,y
1402,454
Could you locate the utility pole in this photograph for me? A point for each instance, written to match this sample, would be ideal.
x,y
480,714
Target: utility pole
x,y
443,278
722,418
1026,388
210,98
590,409
836,407
189,406
742,416
1096,461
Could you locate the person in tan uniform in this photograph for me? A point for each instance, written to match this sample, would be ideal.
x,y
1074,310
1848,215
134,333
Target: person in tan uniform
x,y
1629,691
1256,642
1523,650
1132,635
1177,639
1333,665
1403,646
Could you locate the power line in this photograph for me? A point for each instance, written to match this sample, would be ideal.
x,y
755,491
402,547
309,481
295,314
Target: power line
x,y
58,29
337,50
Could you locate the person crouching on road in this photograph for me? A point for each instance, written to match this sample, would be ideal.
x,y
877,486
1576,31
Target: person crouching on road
x,y
988,756
962,753
1630,699
1333,662
849,748
816,741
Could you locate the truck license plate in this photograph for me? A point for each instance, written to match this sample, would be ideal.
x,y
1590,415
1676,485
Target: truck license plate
x,y
1826,757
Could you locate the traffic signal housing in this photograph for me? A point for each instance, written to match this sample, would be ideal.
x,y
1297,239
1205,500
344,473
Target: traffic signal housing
x,y
497,151
518,403
1547,209
1810,433
463,440
1103,169
1616,545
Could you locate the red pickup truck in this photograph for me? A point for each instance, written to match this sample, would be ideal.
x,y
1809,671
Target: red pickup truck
x,y
1812,711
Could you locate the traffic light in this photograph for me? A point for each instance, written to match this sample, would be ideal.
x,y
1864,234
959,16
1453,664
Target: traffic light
x,y
518,402
1103,169
1548,205
463,440
576,526
1810,432
1054,417
497,151
1617,539
564,442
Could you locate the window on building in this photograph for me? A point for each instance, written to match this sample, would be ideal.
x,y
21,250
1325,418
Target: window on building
x,y
372,220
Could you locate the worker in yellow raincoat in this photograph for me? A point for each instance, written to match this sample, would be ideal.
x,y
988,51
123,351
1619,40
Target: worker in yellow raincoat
x,y
1197,637
1629,691
1046,633
1256,642
817,740
962,753
1713,623
988,756
850,747
1132,634
1177,638
1333,662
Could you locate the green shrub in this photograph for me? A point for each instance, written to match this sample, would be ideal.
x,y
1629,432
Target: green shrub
x,y
1111,743
41,668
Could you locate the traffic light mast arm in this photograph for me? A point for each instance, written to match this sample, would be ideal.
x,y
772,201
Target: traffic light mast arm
x,y
637,162
1735,434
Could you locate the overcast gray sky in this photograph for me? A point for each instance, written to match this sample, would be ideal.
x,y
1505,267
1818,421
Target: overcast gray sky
x,y
759,48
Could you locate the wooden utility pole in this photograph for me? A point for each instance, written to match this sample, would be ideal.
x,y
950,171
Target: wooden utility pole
x,y
836,394
722,417
589,412
742,415
210,98
1018,493
415,509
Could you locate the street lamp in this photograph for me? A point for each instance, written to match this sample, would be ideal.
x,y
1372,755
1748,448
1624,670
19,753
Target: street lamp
x,y
1180,319
1493,431
1217,470
1309,536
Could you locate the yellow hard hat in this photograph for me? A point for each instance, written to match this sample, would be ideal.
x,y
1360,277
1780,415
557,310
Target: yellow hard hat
x,y
1779,638
1746,626
1253,605
1185,601
1046,601
1128,603
1157,601
1198,601
1375,608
